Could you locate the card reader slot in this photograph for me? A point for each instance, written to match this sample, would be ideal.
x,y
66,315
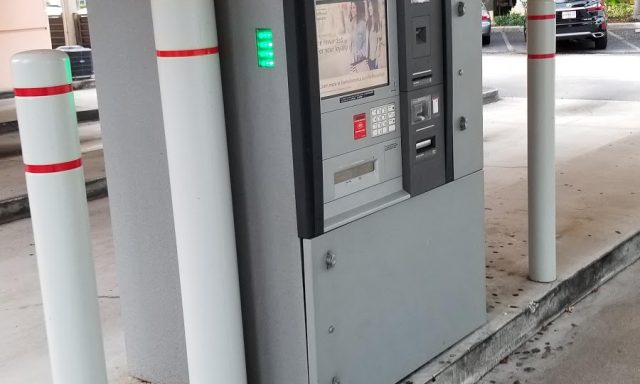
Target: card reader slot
x,y
425,147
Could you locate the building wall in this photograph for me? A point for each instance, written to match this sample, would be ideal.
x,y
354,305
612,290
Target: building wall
x,y
24,25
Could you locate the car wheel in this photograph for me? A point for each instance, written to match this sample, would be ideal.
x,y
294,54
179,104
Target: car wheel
x,y
486,40
601,42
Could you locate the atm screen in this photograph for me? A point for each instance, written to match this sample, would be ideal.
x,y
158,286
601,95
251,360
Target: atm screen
x,y
352,45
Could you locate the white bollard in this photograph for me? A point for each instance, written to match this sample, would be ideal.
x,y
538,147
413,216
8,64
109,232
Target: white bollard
x,y
192,105
541,45
59,215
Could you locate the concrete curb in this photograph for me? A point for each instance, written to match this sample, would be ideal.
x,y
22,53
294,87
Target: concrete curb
x,y
508,28
83,117
490,95
618,26
480,358
17,208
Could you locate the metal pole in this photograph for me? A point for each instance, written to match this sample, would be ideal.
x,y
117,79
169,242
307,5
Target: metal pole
x,y
59,215
192,103
541,45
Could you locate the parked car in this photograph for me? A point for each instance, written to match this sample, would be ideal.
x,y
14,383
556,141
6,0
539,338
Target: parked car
x,y
581,19
486,26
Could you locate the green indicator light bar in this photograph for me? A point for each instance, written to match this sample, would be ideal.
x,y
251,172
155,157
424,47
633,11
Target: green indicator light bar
x,y
264,46
265,34
265,55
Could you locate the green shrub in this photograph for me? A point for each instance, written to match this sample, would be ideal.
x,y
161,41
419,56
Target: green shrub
x,y
510,19
616,2
621,12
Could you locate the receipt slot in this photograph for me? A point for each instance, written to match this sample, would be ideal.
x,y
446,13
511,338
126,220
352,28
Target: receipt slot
x,y
358,200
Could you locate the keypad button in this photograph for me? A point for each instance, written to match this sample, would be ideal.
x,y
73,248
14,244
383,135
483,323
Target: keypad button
x,y
392,107
384,116
392,128
391,114
392,121
384,130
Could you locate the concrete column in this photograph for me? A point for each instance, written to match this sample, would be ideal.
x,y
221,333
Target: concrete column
x,y
139,194
541,47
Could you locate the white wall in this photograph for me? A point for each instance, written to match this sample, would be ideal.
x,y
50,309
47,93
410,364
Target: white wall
x,y
23,26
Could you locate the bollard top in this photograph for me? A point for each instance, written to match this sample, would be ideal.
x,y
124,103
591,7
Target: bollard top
x,y
40,68
178,26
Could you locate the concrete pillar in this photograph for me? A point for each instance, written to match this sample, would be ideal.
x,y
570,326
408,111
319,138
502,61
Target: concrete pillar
x,y
139,195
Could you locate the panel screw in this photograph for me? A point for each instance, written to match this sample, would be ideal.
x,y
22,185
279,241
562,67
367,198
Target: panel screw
x,y
460,72
462,8
332,329
463,124
335,380
331,260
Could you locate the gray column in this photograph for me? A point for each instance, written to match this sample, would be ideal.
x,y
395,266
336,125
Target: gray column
x,y
140,200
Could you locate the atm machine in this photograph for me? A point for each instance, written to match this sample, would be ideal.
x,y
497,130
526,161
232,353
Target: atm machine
x,y
355,141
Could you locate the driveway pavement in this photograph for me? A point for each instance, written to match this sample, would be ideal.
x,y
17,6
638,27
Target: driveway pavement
x,y
623,39
596,341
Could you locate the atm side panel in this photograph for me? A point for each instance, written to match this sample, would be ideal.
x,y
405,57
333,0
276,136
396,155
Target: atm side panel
x,y
260,149
387,293
465,79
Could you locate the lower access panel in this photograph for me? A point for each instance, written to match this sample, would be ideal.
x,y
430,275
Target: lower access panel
x,y
387,293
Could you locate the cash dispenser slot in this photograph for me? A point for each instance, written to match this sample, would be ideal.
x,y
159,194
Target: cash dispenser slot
x,y
422,80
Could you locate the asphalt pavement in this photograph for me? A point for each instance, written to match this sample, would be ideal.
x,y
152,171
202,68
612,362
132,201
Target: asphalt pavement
x,y
582,73
623,39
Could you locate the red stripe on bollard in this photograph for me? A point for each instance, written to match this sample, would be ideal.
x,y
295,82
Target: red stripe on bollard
x,y
53,168
43,91
539,56
541,17
188,52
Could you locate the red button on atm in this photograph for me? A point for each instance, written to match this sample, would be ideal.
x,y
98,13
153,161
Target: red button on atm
x,y
360,126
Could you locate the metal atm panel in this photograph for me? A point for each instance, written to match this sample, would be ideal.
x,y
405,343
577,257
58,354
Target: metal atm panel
x,y
305,170
465,76
376,289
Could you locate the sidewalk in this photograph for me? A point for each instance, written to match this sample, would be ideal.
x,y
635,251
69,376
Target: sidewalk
x,y
598,211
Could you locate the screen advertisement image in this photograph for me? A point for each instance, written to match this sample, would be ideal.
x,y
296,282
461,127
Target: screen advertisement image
x,y
352,45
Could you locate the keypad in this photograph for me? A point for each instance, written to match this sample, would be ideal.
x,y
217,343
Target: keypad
x,y
383,120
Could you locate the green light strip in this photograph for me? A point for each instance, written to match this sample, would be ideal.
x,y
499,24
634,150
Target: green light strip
x,y
264,46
